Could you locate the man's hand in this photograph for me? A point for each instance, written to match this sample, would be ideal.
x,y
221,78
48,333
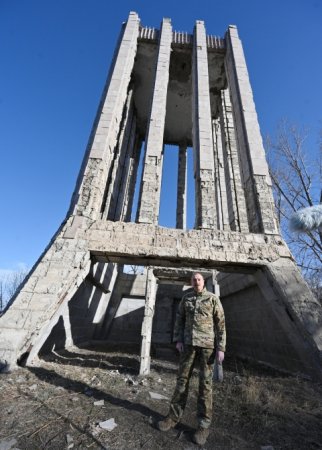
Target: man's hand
x,y
179,347
220,356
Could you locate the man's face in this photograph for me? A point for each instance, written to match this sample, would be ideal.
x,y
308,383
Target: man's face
x,y
197,282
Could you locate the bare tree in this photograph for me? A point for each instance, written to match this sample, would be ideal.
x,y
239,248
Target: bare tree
x,y
132,269
296,173
9,283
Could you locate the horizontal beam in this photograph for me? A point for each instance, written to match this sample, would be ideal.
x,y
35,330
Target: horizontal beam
x,y
148,244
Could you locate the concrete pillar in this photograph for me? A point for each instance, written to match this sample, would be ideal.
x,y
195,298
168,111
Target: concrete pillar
x,y
202,132
235,192
127,174
107,279
126,212
117,165
181,221
146,332
148,211
221,193
91,184
211,283
256,179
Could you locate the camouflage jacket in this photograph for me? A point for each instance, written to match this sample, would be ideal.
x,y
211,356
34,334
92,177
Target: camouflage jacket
x,y
200,321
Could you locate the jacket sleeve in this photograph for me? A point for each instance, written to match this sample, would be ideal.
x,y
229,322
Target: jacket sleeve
x,y
178,334
219,319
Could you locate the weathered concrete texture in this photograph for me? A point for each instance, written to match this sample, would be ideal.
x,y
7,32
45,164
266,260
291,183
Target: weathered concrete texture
x,y
262,323
202,133
119,165
256,179
154,245
146,331
235,193
54,280
220,179
148,210
87,199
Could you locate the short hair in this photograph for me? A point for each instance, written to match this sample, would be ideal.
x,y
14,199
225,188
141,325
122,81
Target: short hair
x,y
197,273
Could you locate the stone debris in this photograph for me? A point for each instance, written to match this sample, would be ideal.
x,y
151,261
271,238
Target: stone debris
x,y
99,403
33,387
70,441
156,396
108,425
8,444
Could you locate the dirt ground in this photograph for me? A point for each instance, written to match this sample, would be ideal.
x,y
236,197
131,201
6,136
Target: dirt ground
x,y
53,406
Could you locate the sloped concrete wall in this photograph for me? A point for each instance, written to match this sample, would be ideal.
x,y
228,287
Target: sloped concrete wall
x,y
269,315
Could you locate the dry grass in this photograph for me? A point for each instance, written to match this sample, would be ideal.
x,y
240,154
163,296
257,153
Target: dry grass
x,y
52,407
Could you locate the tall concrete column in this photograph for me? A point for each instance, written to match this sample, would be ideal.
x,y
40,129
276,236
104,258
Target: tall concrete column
x,y
126,181
117,165
91,183
202,132
256,179
146,332
181,221
129,190
221,193
148,211
235,192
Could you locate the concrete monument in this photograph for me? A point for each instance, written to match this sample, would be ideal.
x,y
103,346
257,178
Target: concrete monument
x,y
190,91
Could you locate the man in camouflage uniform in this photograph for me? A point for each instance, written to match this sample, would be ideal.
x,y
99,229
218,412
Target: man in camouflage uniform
x,y
199,333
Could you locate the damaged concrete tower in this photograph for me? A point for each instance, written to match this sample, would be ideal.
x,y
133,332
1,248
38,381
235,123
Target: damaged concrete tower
x,y
190,92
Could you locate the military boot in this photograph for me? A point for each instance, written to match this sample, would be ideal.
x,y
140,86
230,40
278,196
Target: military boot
x,y
166,424
201,436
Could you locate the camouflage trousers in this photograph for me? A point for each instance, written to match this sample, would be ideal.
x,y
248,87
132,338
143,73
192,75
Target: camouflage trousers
x,y
206,357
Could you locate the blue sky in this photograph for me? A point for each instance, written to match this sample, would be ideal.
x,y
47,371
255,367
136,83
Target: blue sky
x,y
55,55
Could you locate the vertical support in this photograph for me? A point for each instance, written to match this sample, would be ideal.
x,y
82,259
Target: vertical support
x,y
211,283
127,173
257,182
125,213
107,278
148,211
113,187
221,193
91,184
202,132
235,192
181,221
146,332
